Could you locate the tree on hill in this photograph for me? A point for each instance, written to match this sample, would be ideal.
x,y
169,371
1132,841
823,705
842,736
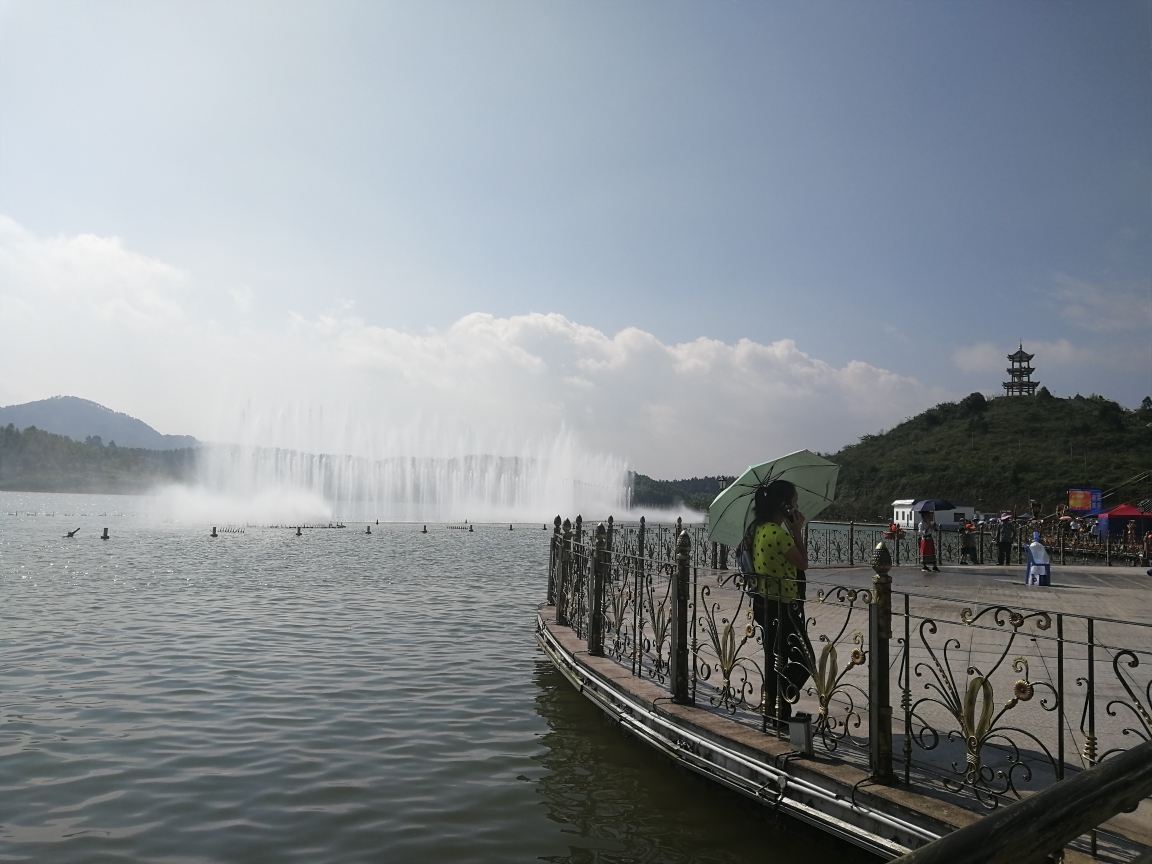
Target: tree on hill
x,y
38,461
996,453
696,493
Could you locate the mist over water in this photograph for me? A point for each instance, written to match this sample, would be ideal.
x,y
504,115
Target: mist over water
x,y
303,466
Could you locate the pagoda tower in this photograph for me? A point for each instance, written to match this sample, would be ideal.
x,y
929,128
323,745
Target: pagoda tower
x,y
1021,374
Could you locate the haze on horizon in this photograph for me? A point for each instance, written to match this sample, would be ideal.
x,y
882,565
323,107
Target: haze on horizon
x,y
692,235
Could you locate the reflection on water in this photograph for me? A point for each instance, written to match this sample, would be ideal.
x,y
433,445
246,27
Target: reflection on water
x,y
338,696
619,801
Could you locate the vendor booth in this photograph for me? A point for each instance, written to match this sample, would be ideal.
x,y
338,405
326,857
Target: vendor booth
x,y
1114,523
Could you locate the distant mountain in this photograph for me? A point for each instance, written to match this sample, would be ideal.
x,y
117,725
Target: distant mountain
x,y
81,420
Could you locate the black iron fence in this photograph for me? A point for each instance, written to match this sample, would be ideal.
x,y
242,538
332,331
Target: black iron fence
x,y
981,703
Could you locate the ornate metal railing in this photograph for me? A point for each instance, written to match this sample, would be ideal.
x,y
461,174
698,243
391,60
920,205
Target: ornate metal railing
x,y
993,701
998,700
823,646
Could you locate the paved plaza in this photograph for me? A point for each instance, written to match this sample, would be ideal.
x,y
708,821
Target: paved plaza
x,y
1121,593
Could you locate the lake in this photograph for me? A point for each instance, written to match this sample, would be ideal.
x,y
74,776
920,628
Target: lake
x,y
168,696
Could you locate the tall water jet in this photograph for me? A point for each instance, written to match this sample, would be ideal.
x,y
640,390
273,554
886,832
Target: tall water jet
x,y
301,466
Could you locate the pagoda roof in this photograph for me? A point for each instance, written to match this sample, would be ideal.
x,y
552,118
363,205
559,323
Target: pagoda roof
x,y
1020,355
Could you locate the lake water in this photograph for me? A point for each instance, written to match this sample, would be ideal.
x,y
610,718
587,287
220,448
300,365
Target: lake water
x,y
166,696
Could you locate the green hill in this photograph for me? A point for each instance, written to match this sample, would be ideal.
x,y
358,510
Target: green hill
x,y
997,454
994,453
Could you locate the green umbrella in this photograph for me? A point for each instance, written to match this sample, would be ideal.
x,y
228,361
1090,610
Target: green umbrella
x,y
731,513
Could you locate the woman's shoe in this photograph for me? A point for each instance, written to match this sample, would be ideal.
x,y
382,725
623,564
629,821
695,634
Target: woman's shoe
x,y
935,569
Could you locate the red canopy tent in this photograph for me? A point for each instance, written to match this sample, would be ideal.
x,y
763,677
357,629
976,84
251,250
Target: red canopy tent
x,y
1114,523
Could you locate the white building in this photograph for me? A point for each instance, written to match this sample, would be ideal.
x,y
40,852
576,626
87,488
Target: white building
x,y
904,516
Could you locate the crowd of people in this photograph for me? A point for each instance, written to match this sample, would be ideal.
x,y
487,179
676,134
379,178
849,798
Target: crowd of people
x,y
1078,531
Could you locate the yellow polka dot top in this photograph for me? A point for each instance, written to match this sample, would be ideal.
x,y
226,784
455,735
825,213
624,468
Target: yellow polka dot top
x,y
778,576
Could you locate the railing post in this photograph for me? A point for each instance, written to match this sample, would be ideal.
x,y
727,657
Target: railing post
x,y
1108,548
879,635
611,533
554,562
596,594
638,604
851,544
723,557
565,581
579,528
679,660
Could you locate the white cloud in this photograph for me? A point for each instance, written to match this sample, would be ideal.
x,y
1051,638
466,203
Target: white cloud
x,y
1103,309
132,337
90,275
981,357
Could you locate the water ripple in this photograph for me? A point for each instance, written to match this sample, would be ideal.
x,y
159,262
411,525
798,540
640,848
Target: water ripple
x,y
333,697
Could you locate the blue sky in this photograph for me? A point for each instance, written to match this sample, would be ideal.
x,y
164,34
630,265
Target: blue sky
x,y
879,199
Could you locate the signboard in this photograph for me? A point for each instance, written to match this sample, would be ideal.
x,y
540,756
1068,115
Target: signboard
x,y
1084,500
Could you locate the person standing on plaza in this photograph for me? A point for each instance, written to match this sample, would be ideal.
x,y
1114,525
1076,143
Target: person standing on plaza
x,y
1005,533
967,543
927,543
779,557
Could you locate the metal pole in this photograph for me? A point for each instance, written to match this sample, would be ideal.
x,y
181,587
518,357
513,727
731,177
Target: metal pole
x,y
906,696
638,604
851,542
554,562
596,594
879,635
679,647
1090,737
695,646
1060,697
565,580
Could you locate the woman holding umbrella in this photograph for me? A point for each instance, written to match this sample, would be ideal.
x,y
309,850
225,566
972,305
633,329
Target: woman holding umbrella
x,y
779,557
927,543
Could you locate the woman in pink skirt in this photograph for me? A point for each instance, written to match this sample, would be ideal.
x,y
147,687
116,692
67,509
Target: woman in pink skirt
x,y
927,544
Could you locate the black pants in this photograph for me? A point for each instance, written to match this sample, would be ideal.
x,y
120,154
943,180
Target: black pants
x,y
784,632
1003,552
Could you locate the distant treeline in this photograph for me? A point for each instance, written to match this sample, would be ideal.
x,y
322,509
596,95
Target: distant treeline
x,y
36,461
696,493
